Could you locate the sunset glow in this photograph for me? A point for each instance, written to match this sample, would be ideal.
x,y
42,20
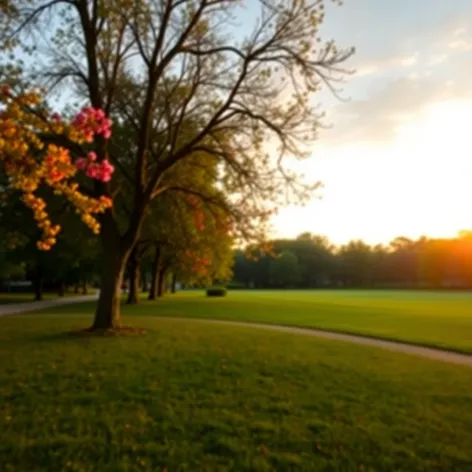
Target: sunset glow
x,y
419,185
397,160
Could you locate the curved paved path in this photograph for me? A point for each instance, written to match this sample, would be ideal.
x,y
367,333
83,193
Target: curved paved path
x,y
16,308
430,353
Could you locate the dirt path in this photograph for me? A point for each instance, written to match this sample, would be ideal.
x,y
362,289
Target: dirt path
x,y
17,308
430,353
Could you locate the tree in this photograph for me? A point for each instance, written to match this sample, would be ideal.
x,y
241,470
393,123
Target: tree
x,y
380,258
315,258
463,256
9,267
356,264
285,270
403,261
134,273
242,269
192,70
73,259
191,239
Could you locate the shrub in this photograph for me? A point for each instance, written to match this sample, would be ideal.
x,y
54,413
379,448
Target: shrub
x,y
216,292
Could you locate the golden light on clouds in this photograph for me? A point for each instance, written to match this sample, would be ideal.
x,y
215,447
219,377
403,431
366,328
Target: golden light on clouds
x,y
418,184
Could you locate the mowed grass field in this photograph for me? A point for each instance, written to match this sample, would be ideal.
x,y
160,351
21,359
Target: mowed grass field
x,y
10,298
188,396
441,319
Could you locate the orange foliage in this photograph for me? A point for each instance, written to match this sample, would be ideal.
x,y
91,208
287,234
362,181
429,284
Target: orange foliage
x,y
30,163
199,264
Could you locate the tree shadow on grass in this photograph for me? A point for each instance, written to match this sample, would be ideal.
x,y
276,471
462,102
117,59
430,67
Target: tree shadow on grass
x,y
81,334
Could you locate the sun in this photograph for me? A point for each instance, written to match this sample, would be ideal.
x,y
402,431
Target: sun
x,y
437,155
419,184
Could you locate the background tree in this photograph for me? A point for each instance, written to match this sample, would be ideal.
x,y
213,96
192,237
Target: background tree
x,y
315,257
73,260
356,264
404,263
242,269
285,270
193,244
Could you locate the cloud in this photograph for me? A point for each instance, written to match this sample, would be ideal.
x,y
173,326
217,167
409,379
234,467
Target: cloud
x,y
401,87
436,59
379,66
460,31
460,45
376,119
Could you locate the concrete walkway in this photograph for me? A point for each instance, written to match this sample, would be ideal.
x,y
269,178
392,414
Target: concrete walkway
x,y
16,308
430,353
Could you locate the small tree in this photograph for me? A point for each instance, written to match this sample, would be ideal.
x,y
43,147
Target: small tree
x,y
191,239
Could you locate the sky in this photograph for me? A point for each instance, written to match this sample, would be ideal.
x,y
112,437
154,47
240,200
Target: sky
x,y
397,158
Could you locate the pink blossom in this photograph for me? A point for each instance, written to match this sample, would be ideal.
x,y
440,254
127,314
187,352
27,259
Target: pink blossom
x,y
93,171
102,171
81,163
80,118
106,171
91,121
106,166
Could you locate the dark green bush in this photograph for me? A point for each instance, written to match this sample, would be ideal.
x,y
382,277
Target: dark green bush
x,y
216,292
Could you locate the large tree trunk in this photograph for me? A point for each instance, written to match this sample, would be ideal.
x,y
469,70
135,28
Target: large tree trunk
x,y
173,286
153,290
133,271
161,282
84,288
116,250
62,289
115,253
107,315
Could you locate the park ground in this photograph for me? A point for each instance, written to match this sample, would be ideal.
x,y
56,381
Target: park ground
x,y
438,319
194,396
10,298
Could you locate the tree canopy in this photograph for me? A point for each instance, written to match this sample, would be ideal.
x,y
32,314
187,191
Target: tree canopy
x,y
180,79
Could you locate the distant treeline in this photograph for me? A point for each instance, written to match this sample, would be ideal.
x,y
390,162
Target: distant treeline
x,y
311,261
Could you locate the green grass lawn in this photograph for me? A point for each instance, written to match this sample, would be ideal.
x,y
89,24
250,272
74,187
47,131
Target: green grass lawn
x,y
199,397
9,298
442,319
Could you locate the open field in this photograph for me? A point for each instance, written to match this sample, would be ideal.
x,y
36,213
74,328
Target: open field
x,y
442,319
9,298
187,396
